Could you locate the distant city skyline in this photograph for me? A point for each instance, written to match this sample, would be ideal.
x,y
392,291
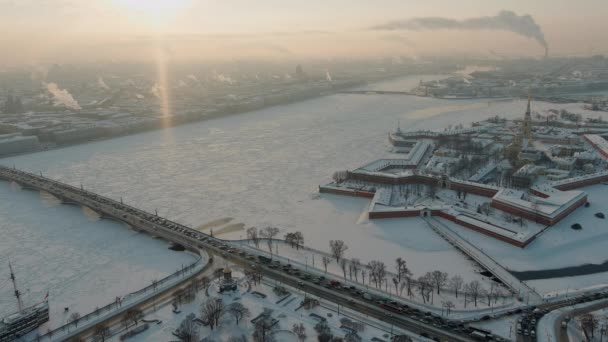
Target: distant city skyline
x,y
41,30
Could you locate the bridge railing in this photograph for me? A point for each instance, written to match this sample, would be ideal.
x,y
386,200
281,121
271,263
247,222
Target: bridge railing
x,y
121,305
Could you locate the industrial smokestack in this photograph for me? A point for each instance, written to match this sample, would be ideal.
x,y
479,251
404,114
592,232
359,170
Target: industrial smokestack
x,y
546,52
523,25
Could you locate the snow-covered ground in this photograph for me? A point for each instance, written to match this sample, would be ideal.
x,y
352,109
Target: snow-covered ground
x,y
505,327
83,262
559,246
285,312
260,168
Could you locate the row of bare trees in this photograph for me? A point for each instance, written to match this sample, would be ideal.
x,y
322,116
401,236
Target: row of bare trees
x,y
431,282
267,234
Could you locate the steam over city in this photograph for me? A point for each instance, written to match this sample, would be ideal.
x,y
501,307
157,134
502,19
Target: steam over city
x,y
233,171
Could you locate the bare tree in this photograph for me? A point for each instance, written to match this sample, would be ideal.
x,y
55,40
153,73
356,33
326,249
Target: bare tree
x,y
262,331
295,239
343,264
588,324
211,311
340,176
410,284
326,260
101,332
134,315
188,329
377,272
402,270
300,331
337,248
238,311
355,266
439,280
269,233
456,283
252,234
298,238
448,305
425,287
396,283
75,318
473,289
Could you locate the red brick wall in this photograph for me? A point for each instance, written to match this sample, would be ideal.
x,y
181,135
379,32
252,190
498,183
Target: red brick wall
x,y
353,193
393,214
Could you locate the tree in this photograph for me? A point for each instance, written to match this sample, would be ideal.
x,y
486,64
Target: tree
x,y
300,331
340,176
473,289
254,275
269,233
343,264
238,311
409,281
75,318
337,248
295,239
355,266
188,329
377,272
212,310
425,287
262,331
456,283
323,332
326,260
588,324
101,332
252,234
298,238
439,279
396,283
134,315
448,305
402,270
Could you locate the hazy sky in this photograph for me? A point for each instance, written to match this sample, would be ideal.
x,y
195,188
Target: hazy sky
x,y
37,28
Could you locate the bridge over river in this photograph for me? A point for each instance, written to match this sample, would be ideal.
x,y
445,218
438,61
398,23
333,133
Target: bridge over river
x,y
177,233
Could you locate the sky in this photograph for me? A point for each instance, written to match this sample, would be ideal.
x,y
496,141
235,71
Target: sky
x,y
44,29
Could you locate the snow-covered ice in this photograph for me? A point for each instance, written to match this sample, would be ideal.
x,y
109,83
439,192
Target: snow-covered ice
x,y
83,262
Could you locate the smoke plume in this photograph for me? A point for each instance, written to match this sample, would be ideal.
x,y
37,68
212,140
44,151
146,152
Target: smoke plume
x,y
523,25
328,76
102,84
62,97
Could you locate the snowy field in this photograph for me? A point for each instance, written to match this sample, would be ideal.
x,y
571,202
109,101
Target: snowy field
x,y
286,312
83,262
260,168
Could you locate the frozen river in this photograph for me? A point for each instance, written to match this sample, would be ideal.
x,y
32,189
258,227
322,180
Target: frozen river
x,y
260,168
